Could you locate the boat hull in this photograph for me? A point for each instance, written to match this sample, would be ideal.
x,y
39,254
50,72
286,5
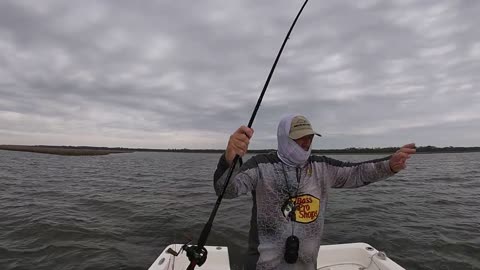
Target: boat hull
x,y
353,256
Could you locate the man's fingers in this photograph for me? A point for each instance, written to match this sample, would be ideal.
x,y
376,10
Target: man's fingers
x,y
402,155
408,150
238,143
241,140
239,150
241,145
244,138
399,159
245,130
410,145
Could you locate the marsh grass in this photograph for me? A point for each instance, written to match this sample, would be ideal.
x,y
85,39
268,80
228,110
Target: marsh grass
x,y
62,150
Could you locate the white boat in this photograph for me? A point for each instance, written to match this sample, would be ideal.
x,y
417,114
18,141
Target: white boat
x,y
354,256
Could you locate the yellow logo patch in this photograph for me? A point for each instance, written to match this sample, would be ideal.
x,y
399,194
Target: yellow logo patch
x,y
306,208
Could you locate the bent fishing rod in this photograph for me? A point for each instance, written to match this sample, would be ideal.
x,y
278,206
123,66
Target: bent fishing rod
x,y
197,254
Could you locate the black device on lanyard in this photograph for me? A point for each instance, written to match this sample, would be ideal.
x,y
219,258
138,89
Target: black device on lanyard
x,y
292,244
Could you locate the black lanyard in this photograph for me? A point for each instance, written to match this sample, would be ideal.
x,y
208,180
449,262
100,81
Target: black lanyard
x,y
285,176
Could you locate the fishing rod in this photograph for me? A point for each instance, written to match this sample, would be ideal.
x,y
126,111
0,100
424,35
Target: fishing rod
x,y
197,254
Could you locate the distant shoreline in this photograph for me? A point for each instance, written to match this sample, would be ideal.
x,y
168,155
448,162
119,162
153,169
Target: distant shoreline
x,y
61,150
93,151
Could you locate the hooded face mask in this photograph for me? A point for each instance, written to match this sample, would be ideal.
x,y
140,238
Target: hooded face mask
x,y
289,151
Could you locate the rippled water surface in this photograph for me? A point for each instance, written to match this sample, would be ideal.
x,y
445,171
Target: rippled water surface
x,y
120,211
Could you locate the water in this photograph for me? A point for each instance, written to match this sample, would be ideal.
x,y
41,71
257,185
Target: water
x,y
120,211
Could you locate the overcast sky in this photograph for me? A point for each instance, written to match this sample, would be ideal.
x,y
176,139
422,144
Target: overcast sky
x,y
175,74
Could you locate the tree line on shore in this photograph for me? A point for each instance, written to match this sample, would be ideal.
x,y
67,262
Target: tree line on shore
x,y
93,150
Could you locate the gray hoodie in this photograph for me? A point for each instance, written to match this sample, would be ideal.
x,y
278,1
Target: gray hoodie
x,y
274,184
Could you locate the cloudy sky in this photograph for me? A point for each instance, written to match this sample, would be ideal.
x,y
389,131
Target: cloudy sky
x,y
174,74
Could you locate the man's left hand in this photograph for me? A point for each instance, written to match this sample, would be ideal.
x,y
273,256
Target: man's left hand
x,y
398,161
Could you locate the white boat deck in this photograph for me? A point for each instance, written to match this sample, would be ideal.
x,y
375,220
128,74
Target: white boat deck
x,y
355,256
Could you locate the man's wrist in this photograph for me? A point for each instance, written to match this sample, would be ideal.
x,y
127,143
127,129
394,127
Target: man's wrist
x,y
391,169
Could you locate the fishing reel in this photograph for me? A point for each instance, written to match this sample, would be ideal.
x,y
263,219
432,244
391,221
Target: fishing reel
x,y
196,255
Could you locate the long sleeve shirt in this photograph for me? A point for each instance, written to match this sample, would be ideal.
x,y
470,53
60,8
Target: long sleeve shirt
x,y
289,200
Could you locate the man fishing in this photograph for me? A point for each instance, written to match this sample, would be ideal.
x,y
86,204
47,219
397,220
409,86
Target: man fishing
x,y
290,191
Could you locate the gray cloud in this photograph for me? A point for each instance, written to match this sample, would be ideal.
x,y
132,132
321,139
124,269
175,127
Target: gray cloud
x,y
187,74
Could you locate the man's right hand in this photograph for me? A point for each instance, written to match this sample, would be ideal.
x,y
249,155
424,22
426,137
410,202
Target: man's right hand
x,y
238,143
